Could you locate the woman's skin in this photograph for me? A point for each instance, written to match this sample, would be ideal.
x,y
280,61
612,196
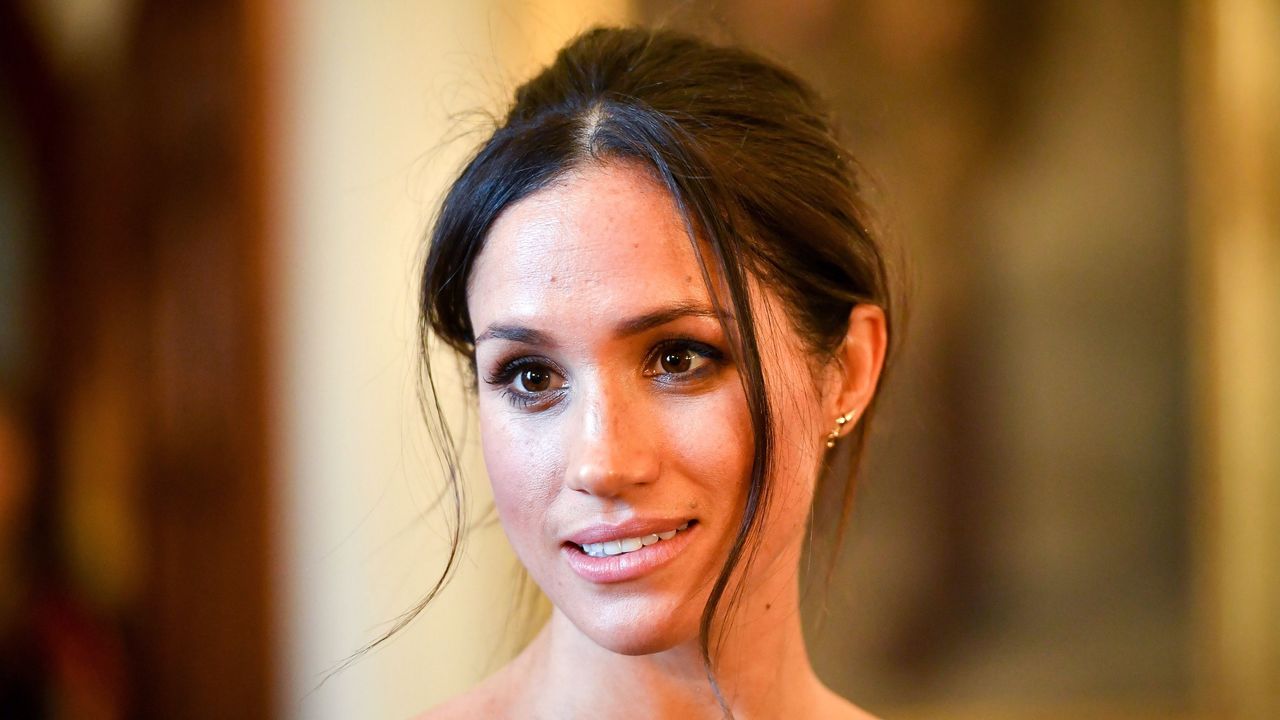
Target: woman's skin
x,y
607,396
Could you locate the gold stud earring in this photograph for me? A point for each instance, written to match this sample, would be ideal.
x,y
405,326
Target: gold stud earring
x,y
840,423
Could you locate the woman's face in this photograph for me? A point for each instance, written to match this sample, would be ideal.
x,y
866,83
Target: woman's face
x,y
614,424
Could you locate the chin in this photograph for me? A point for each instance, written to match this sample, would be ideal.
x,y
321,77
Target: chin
x,y
636,640
630,630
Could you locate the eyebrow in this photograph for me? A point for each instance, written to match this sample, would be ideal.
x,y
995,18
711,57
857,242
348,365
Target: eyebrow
x,y
626,328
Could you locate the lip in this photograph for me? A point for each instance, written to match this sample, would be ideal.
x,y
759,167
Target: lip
x,y
636,527
627,566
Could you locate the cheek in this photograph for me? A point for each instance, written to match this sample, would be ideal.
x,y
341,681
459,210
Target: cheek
x,y
796,401
798,453
708,440
524,468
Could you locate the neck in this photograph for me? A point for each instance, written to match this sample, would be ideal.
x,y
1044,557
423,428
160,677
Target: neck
x,y
761,668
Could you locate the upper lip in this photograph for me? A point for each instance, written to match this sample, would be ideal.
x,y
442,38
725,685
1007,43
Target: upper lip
x,y
636,527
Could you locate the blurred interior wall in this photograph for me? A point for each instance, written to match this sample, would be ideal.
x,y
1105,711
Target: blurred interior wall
x,y
378,106
132,264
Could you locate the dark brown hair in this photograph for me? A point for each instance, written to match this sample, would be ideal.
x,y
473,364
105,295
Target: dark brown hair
x,y
750,155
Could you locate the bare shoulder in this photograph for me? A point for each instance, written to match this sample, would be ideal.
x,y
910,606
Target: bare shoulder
x,y
489,699
503,694
496,697
835,706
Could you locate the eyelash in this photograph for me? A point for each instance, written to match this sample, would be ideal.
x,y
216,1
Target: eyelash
x,y
507,372
502,377
714,356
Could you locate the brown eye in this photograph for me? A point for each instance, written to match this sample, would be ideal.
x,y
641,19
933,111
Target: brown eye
x,y
676,362
681,361
534,380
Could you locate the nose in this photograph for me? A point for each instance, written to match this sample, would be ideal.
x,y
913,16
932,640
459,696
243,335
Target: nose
x,y
613,451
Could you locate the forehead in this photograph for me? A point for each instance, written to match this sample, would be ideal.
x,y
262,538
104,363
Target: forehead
x,y
598,242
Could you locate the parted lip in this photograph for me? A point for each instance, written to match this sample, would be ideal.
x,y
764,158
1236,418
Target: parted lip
x,y
636,527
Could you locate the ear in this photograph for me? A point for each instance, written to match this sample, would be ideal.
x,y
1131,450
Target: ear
x,y
858,364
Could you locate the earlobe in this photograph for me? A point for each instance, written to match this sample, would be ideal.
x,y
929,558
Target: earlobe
x,y
840,423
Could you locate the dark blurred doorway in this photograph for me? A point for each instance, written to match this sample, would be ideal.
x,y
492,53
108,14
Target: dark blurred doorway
x,y
133,413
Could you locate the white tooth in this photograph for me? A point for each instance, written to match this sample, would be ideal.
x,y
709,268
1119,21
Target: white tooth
x,y
667,535
594,549
649,539
683,527
631,544
612,547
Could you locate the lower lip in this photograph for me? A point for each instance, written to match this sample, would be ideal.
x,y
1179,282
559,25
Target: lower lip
x,y
627,566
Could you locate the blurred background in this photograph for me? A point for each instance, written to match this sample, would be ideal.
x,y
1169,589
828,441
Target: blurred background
x,y
215,485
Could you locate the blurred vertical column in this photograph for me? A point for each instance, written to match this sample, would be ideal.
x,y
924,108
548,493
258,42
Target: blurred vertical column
x,y
1234,112
142,590
198,71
